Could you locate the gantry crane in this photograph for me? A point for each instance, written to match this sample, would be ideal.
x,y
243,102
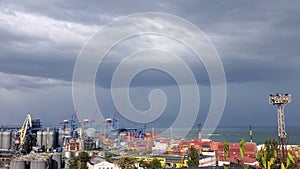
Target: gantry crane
x,y
72,122
93,117
86,123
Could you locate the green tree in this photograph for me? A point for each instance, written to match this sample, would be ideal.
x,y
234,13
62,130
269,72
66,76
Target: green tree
x,y
83,158
109,159
73,163
268,157
143,164
126,163
290,162
193,158
155,164
226,150
242,152
242,148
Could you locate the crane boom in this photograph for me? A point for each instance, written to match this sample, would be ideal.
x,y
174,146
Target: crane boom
x,y
27,123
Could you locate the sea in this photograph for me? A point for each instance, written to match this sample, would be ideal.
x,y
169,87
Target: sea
x,y
234,134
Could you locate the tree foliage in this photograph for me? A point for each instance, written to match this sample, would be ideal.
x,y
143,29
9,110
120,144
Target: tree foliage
x,y
242,148
83,158
155,164
226,150
268,157
143,164
126,163
193,158
73,163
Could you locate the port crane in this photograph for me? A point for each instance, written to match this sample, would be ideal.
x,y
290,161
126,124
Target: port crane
x,y
23,131
93,117
72,122
85,123
114,130
112,123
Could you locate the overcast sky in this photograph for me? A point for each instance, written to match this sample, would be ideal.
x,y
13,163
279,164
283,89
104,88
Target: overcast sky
x,y
258,44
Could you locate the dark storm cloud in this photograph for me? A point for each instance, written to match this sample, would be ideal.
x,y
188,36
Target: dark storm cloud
x,y
16,82
40,41
38,45
92,12
250,37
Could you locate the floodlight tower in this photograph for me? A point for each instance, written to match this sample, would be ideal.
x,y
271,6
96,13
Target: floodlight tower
x,y
280,100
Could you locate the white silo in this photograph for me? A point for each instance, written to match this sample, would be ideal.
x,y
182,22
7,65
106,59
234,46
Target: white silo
x,y
6,139
39,139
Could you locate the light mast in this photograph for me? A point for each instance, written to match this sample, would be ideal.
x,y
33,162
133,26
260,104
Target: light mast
x,y
280,100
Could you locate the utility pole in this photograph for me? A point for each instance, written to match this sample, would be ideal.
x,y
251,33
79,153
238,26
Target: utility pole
x,y
250,132
199,132
200,137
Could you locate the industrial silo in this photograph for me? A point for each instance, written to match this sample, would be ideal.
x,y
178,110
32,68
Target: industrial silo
x,y
13,137
38,164
55,138
45,137
6,137
61,135
48,161
50,139
17,164
39,138
56,161
1,139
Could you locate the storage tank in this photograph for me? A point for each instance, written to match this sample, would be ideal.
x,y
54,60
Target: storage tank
x,y
51,138
56,161
44,143
1,139
39,138
48,161
55,138
38,164
6,139
17,164
13,137
61,135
